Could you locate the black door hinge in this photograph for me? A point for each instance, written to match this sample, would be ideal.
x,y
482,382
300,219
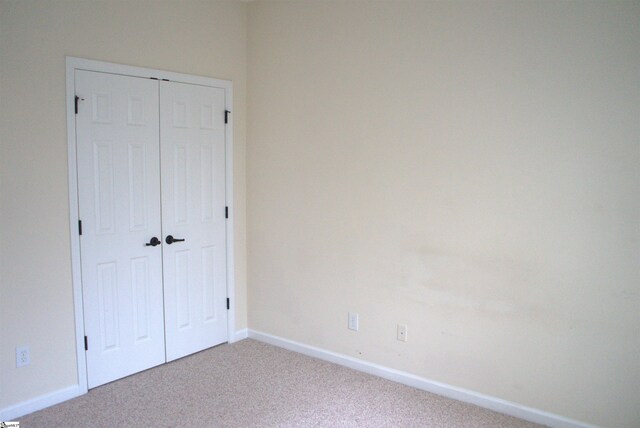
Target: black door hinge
x,y
77,100
226,116
226,212
80,227
228,303
86,343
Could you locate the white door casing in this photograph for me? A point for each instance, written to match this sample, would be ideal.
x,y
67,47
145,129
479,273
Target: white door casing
x,y
192,135
75,67
119,205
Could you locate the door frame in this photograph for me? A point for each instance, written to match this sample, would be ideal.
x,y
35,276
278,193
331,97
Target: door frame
x,y
73,64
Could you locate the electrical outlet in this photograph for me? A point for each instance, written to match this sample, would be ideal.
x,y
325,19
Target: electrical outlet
x,y
353,321
402,332
23,358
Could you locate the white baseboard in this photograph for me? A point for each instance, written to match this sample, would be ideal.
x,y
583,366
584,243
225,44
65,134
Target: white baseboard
x,y
460,394
239,335
11,413
492,403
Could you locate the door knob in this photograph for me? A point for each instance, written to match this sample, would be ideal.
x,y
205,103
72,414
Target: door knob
x,y
170,240
154,241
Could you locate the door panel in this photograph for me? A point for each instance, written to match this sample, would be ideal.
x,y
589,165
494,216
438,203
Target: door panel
x,y
192,139
117,129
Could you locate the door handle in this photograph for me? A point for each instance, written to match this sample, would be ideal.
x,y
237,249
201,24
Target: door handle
x,y
154,241
170,240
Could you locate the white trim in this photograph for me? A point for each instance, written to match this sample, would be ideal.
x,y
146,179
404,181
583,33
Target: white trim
x,y
231,277
488,402
129,70
76,276
38,403
73,64
239,335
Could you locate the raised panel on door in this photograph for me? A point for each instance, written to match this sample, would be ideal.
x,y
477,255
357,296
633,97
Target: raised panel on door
x,y
118,160
192,135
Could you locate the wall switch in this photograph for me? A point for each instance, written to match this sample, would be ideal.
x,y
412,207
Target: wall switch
x,y
402,332
22,356
353,321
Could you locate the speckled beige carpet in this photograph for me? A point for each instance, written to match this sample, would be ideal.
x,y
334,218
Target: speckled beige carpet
x,y
252,384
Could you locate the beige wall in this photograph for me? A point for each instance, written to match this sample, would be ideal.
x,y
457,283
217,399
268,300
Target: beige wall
x,y
204,38
470,169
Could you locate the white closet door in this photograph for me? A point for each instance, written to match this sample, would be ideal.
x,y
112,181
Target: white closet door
x,y
192,140
119,202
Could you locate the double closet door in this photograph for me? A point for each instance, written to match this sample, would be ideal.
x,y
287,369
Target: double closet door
x,y
151,191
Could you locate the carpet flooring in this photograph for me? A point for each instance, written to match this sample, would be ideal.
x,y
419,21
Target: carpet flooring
x,y
252,384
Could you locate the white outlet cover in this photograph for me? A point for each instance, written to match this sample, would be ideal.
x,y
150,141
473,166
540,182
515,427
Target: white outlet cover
x,y
23,357
402,332
353,321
